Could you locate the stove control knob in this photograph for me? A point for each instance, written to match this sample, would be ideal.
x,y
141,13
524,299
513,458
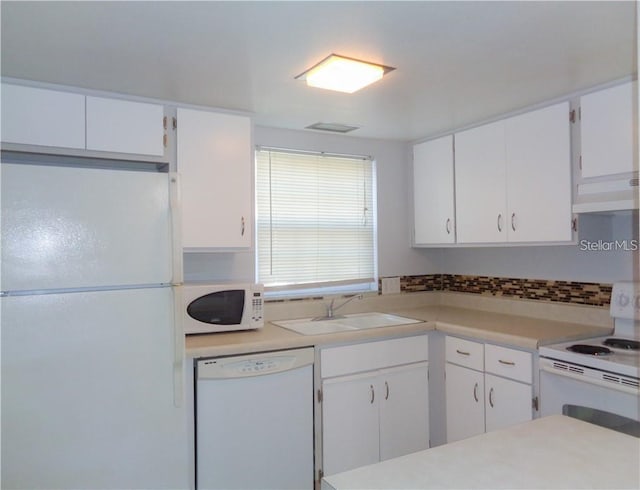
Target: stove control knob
x,y
623,300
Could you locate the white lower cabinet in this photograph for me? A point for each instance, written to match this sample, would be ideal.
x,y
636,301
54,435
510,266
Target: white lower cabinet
x,y
507,402
487,387
378,414
350,422
465,402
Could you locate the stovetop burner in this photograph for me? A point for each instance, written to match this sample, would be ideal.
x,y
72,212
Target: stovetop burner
x,y
592,350
626,344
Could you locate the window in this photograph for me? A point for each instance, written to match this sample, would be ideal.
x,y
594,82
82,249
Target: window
x,y
315,220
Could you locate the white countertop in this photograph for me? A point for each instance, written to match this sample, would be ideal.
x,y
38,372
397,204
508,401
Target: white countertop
x,y
514,330
552,452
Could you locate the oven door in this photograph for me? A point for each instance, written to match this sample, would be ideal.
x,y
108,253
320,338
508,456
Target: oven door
x,y
605,406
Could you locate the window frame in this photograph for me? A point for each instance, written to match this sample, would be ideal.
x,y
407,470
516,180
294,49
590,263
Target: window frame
x,y
331,287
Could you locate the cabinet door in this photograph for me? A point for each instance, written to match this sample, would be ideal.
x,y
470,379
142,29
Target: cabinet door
x,y
480,176
404,410
124,126
214,163
609,131
465,402
539,175
507,402
35,116
350,422
433,192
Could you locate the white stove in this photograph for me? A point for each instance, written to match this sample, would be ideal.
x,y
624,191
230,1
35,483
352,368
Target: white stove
x,y
616,353
598,379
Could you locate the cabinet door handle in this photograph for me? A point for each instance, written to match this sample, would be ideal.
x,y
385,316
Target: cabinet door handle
x,y
499,222
513,221
491,397
507,363
242,226
373,394
463,353
448,226
475,392
386,385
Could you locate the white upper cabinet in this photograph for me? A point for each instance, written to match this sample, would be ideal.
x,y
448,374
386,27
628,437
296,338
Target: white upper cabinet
x,y
513,179
609,131
215,167
124,126
480,175
433,188
36,116
52,118
538,152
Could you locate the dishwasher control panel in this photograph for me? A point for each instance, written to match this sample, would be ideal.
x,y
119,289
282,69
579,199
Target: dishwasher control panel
x,y
254,365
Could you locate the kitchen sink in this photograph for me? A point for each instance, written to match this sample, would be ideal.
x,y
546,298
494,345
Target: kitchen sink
x,y
356,321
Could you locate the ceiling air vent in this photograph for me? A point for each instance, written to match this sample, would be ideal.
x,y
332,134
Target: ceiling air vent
x,y
332,127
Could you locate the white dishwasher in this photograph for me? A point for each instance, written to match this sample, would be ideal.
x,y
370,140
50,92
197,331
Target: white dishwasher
x,y
254,421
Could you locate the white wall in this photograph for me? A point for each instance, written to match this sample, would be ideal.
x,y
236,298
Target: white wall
x,y
395,255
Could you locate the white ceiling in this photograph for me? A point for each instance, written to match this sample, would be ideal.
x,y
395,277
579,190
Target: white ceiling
x,y
456,62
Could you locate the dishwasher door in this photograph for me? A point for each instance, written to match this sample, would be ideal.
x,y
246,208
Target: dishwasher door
x,y
254,421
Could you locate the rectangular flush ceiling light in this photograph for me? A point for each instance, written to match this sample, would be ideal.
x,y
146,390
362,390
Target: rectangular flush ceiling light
x,y
343,74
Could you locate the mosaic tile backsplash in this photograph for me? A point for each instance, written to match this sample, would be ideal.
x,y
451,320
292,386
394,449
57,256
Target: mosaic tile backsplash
x,y
585,293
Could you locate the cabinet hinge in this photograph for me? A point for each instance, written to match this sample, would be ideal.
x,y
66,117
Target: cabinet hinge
x,y
572,116
174,123
534,403
319,396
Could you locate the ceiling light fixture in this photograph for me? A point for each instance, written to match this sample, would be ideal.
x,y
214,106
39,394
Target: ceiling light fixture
x,y
343,74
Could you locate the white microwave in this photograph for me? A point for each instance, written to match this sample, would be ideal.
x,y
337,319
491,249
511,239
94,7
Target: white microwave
x,y
210,308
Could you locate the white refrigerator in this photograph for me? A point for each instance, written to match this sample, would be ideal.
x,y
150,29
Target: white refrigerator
x,y
92,354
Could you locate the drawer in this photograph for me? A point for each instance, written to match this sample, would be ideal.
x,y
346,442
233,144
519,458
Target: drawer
x,y
464,353
510,363
357,358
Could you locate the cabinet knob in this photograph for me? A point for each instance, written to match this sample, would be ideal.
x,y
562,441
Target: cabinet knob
x,y
475,392
373,393
463,353
386,385
242,226
513,221
499,222
491,397
448,226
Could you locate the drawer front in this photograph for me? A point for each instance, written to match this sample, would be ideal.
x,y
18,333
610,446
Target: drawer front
x,y
464,353
510,363
348,359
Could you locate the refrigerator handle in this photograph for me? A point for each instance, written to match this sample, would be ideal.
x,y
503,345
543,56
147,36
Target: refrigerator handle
x,y
178,347
176,228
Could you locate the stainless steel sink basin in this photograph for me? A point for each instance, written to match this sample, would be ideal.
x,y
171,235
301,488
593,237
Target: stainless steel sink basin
x,y
356,321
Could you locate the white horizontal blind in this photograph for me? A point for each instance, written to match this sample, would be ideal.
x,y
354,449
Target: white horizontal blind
x,y
315,219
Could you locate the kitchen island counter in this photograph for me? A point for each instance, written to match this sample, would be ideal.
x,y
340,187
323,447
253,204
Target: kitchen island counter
x,y
551,452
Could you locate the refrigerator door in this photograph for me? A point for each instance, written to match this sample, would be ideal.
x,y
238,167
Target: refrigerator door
x,y
88,392
70,227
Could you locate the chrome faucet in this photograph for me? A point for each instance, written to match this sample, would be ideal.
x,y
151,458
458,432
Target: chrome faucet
x,y
332,309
